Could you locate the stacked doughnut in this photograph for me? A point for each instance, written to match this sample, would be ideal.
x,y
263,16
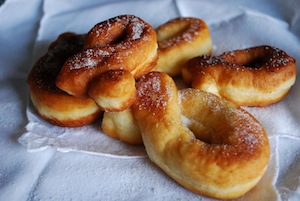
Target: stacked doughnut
x,y
80,76
115,52
53,104
179,40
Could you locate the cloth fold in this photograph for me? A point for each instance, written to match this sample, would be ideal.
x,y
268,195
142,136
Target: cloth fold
x,y
41,135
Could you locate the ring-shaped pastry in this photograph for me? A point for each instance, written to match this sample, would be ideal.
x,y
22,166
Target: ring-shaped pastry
x,y
179,40
53,104
257,76
224,158
124,42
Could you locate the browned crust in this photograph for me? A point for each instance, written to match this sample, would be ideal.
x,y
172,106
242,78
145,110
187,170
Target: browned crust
x,y
229,153
129,42
113,90
256,76
179,40
53,104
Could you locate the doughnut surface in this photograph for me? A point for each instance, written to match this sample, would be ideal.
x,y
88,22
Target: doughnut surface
x,y
256,76
179,40
124,42
207,144
122,125
113,90
53,104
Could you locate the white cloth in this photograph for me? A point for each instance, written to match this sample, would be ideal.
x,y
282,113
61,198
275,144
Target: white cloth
x,y
107,169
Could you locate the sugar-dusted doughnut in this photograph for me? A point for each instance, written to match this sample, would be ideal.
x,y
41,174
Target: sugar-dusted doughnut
x,y
124,42
181,39
256,76
53,104
205,143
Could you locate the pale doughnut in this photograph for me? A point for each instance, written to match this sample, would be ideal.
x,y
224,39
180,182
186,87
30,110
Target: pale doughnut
x,y
226,159
256,76
122,125
53,104
179,40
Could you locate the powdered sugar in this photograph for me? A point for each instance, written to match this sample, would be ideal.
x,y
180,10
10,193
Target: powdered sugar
x,y
233,130
137,28
87,59
152,93
249,133
188,33
105,42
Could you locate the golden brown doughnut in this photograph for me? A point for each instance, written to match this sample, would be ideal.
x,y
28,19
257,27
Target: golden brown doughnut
x,y
124,42
53,104
229,153
122,125
179,40
113,90
256,76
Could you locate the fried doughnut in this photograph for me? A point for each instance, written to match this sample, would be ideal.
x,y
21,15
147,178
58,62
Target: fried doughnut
x,y
124,42
179,40
229,153
122,125
53,104
113,90
256,76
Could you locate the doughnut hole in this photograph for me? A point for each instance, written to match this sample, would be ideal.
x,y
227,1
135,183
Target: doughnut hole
x,y
113,90
221,122
179,40
254,58
113,29
214,125
172,31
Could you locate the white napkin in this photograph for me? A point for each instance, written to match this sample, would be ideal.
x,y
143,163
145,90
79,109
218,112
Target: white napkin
x,y
233,25
88,139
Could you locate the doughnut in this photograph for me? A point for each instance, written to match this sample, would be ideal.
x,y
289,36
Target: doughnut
x,y
256,76
207,144
123,126
124,42
179,40
113,90
53,104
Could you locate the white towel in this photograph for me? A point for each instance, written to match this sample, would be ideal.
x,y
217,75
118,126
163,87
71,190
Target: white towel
x,y
233,25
